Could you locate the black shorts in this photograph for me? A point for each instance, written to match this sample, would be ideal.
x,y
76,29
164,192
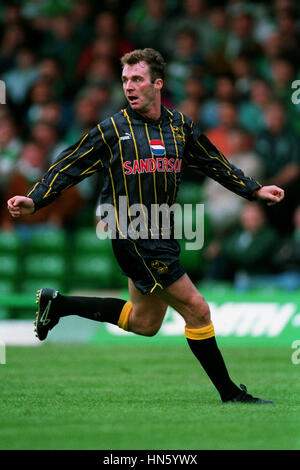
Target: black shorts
x,y
149,263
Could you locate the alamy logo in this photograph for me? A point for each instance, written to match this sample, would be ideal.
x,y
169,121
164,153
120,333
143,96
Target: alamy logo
x,y
2,353
2,92
182,222
296,354
296,93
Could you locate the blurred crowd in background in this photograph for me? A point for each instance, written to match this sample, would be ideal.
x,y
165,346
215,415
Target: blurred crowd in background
x,y
231,67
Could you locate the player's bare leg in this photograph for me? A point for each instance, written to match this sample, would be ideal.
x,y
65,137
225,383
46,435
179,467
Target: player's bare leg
x,y
148,312
183,296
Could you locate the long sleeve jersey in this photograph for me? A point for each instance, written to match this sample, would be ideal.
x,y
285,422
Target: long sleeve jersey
x,y
141,161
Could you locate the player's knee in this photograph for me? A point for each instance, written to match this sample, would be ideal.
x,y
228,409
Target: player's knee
x,y
144,326
197,310
150,328
151,331
204,310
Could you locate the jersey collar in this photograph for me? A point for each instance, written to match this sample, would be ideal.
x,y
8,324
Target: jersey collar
x,y
134,115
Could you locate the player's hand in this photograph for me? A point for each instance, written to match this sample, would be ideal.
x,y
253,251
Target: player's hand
x,y
20,205
273,194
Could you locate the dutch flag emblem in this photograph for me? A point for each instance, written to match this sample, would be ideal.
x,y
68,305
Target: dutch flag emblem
x,y
157,147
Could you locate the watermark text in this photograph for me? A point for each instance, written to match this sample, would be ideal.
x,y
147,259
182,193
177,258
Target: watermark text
x,y
2,92
295,358
2,352
156,221
296,93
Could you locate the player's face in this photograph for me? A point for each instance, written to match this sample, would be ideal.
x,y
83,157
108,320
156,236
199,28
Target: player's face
x,y
141,93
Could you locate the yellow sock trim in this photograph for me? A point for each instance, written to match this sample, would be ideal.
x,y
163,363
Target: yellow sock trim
x,y
124,316
200,333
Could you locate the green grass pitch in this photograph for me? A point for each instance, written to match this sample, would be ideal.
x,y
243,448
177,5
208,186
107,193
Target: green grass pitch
x,y
144,396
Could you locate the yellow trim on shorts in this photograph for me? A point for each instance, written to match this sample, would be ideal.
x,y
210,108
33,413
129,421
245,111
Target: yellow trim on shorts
x,y
124,316
200,333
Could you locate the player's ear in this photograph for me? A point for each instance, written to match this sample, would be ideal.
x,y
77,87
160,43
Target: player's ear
x,y
158,84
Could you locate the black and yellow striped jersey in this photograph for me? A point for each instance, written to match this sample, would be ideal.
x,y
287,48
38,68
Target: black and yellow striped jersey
x,y
141,160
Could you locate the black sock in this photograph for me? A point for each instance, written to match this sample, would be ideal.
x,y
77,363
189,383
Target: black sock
x,y
94,308
210,357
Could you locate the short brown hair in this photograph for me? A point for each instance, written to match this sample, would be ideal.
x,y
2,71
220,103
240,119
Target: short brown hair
x,y
152,57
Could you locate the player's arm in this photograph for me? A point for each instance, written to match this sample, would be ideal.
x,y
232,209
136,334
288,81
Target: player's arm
x,y
201,154
72,165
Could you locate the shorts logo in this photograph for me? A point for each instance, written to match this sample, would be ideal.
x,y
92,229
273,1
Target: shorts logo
x,y
160,267
157,147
